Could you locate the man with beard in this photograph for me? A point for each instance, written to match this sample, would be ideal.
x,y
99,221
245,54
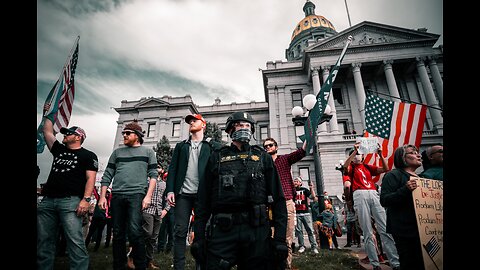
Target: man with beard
x,y
134,168
283,163
185,173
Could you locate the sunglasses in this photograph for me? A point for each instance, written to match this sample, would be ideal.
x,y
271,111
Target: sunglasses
x,y
127,133
268,145
68,134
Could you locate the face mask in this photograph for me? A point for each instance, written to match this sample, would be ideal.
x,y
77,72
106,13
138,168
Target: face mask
x,y
242,135
357,159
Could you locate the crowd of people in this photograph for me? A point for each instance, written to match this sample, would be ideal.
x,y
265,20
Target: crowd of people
x,y
247,207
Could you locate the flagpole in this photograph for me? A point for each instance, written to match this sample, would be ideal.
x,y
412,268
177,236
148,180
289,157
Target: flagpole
x,y
348,14
61,74
403,99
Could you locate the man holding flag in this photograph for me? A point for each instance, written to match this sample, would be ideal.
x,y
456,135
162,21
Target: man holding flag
x,y
69,186
67,195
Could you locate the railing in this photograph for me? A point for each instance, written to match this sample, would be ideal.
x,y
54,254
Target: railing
x,y
348,137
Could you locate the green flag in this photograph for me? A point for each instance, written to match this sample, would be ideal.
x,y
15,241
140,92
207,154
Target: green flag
x,y
315,114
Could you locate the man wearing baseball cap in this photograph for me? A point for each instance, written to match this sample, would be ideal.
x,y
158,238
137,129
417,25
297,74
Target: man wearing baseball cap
x,y
67,194
185,173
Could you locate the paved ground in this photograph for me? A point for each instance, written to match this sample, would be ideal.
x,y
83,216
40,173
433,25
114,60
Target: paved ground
x,y
358,252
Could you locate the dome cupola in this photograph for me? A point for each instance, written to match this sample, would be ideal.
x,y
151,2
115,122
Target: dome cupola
x,y
312,27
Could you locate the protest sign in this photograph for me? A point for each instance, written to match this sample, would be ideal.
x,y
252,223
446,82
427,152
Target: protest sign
x,y
428,203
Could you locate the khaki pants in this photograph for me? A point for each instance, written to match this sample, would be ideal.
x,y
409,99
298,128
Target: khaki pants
x,y
291,218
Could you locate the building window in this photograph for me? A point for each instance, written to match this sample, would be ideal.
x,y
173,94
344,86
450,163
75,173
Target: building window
x,y
305,174
176,129
297,98
263,132
151,130
337,95
343,126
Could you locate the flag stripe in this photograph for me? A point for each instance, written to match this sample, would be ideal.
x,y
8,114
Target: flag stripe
x,y
60,98
394,124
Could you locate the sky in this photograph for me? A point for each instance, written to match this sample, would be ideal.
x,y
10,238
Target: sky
x,y
130,49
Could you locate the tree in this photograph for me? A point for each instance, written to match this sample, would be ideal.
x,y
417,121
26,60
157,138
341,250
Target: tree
x,y
164,152
213,131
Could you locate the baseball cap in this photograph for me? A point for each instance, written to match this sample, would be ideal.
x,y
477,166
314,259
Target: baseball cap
x,y
195,116
74,130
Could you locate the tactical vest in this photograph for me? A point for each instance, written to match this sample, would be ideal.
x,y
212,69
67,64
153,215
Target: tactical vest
x,y
241,182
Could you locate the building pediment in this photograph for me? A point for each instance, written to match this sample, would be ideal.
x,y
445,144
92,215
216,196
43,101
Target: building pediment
x,y
151,102
370,34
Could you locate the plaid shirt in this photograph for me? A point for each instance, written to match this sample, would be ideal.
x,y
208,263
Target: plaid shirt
x,y
284,169
155,207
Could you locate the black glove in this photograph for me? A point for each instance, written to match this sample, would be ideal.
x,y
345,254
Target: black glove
x,y
199,250
280,250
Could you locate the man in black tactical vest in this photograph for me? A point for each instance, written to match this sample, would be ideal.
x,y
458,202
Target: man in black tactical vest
x,y
232,225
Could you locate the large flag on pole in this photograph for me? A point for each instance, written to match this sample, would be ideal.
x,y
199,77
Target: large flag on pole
x,y
315,114
60,98
394,124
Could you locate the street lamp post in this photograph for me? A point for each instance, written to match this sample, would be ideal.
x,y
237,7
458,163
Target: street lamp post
x,y
299,119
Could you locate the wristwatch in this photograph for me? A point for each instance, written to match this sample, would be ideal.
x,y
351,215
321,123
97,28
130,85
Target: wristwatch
x,y
87,199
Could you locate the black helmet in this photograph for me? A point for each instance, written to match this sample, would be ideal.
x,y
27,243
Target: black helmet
x,y
239,116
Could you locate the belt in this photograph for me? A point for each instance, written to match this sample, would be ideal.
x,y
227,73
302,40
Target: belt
x,y
235,218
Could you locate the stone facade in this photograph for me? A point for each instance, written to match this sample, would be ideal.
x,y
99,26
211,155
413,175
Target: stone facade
x,y
385,60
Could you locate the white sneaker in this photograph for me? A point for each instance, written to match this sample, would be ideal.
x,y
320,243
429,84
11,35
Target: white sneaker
x,y
301,249
315,250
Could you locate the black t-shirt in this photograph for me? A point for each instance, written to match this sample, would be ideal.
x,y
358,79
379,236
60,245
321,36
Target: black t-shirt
x,y
68,173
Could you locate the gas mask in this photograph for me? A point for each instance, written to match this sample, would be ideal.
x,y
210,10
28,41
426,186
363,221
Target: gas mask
x,y
242,135
357,159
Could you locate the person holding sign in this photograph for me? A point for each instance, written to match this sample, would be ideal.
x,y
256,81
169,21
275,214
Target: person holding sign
x,y
396,195
366,202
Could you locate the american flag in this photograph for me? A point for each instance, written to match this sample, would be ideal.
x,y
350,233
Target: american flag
x,y
60,98
394,124
432,247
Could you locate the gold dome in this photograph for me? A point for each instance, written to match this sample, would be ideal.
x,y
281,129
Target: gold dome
x,y
311,21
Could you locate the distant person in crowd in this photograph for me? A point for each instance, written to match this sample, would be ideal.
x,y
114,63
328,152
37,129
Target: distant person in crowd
x,y
165,235
435,157
131,166
66,196
303,215
366,201
396,196
185,173
284,163
328,220
152,218
97,224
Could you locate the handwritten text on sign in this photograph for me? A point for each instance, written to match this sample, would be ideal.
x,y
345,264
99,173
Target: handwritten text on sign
x,y
367,145
428,203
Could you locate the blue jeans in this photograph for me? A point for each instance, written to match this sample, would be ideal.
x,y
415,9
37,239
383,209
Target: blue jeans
x,y
127,218
51,214
306,221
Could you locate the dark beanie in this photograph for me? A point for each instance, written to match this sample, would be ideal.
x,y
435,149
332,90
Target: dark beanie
x,y
134,126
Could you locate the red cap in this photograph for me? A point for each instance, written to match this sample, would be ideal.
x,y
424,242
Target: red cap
x,y
195,116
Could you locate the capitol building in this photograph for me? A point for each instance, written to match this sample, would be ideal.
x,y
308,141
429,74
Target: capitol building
x,y
391,62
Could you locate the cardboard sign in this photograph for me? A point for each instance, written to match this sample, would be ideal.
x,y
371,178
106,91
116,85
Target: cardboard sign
x,y
428,203
367,145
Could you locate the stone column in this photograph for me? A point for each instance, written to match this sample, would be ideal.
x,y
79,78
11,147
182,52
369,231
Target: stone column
x,y
392,85
429,95
333,122
315,81
272,111
316,88
282,113
437,78
359,89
